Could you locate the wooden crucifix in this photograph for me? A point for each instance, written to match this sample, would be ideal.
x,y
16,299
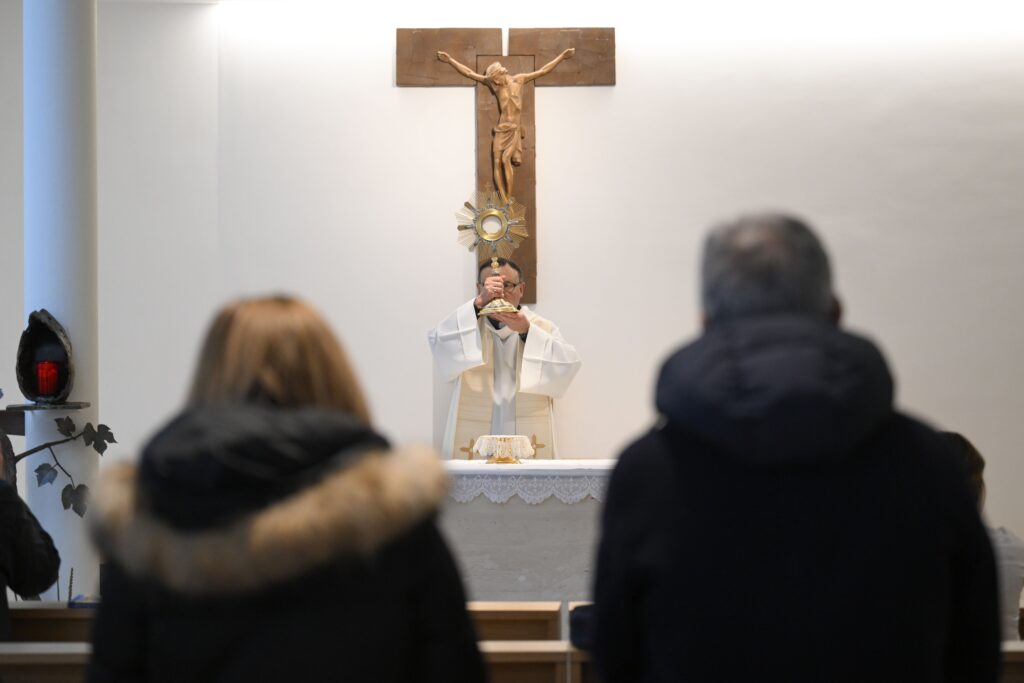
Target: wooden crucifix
x,y
417,64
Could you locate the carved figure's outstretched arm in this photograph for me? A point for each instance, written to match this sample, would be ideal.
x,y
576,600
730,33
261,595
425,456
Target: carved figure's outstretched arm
x,y
550,66
461,68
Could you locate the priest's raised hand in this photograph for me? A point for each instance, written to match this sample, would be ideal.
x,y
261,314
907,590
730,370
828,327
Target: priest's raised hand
x,y
491,288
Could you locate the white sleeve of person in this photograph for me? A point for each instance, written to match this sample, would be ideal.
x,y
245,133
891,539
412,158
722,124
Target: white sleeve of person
x,y
549,363
456,344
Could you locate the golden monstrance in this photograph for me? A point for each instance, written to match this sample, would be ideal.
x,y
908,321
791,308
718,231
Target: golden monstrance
x,y
485,220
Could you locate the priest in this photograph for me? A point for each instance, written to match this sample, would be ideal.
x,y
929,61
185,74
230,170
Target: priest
x,y
498,374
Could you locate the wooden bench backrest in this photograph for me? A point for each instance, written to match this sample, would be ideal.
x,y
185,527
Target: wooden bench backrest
x,y
516,620
542,661
50,622
44,662
37,622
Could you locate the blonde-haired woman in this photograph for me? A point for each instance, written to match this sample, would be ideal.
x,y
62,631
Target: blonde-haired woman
x,y
268,532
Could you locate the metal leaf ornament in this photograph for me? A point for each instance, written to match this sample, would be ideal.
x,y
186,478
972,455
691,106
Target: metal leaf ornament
x,y
65,426
46,474
76,498
98,437
73,496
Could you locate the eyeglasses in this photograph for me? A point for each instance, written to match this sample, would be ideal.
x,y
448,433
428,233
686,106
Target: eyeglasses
x,y
509,286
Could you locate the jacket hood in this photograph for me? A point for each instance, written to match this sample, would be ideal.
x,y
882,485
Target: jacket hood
x,y
288,501
213,464
777,389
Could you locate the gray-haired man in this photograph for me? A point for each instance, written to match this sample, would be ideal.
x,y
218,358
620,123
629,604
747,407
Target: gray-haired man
x,y
784,522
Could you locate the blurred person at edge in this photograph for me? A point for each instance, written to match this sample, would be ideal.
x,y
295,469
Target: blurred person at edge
x,y
1008,547
29,562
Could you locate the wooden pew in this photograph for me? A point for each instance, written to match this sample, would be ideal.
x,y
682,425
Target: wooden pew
x,y
583,668
508,661
44,662
516,620
50,621
530,661
515,662
1013,662
53,622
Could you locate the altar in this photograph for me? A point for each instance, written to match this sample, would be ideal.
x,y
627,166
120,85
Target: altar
x,y
526,531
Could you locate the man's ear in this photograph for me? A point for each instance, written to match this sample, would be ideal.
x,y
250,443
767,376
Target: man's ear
x,y
835,313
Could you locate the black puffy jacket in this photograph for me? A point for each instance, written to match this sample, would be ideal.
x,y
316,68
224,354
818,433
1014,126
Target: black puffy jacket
x,y
28,560
784,523
255,544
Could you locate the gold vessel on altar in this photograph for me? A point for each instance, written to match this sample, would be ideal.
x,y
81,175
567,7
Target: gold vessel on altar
x,y
503,449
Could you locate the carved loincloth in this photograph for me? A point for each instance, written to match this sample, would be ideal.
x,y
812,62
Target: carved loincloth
x,y
508,142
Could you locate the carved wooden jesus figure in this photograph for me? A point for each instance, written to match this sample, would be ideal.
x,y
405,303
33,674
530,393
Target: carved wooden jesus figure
x,y
507,146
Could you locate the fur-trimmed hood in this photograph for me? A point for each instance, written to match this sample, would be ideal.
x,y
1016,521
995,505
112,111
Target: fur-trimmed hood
x,y
354,511
229,499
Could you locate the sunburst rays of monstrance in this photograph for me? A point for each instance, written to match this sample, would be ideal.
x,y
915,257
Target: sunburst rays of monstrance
x,y
484,220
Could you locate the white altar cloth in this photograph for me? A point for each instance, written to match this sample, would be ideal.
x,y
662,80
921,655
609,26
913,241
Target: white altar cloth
x,y
534,481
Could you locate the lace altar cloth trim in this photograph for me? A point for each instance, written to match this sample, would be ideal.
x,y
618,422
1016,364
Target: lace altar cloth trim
x,y
568,481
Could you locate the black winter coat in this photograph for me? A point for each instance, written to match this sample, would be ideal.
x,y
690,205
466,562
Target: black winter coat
x,y
28,560
253,544
784,523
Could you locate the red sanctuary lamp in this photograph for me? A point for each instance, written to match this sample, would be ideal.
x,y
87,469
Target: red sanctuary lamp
x,y
45,365
47,372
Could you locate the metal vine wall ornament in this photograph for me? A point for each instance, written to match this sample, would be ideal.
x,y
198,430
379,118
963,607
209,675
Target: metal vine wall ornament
x,y
73,496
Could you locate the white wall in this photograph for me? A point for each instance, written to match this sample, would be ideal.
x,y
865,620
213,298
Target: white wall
x,y
161,256
11,216
261,146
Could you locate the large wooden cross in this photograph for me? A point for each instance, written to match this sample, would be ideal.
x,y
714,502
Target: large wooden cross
x,y
593,64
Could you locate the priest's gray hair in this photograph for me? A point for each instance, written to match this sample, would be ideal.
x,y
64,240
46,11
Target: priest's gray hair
x,y
765,263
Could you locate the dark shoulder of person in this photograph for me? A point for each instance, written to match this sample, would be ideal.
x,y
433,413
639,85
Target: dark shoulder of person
x,y
7,492
28,558
922,453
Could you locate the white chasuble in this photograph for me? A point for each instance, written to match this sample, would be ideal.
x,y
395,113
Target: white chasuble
x,y
489,381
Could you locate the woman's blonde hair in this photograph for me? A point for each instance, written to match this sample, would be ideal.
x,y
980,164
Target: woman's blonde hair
x,y
275,350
